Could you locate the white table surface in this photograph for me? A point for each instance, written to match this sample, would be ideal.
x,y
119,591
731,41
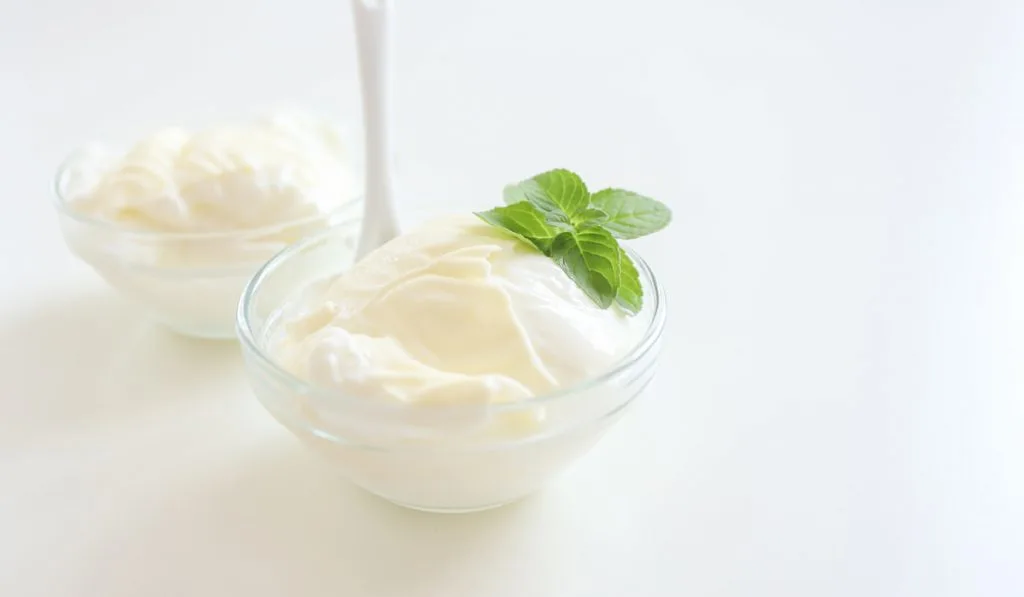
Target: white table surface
x,y
840,407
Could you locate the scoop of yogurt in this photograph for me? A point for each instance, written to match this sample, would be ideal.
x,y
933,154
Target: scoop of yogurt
x,y
228,177
455,312
179,222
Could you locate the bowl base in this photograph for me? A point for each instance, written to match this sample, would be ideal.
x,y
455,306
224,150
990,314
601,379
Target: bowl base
x,y
198,333
435,510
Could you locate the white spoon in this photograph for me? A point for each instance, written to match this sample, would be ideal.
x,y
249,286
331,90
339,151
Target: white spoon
x,y
373,40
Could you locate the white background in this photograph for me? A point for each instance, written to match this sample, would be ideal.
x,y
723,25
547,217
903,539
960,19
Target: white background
x,y
840,407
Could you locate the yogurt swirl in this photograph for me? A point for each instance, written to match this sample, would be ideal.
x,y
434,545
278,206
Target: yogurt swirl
x,y
454,312
229,177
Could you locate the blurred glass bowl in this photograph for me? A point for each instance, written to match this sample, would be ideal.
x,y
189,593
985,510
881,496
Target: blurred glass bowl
x,y
191,282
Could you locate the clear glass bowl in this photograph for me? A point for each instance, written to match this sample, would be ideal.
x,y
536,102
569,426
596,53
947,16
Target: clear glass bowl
x,y
190,282
439,458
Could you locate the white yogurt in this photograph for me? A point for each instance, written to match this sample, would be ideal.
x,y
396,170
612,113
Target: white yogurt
x,y
457,312
225,178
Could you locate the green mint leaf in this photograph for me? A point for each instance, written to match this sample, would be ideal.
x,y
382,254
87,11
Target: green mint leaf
x,y
558,220
631,293
514,193
557,192
630,215
590,257
525,221
590,216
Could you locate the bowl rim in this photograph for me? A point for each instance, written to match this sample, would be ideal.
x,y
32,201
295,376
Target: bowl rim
x,y
63,206
247,337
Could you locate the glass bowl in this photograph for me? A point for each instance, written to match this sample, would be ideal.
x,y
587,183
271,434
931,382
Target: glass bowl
x,y
191,282
442,457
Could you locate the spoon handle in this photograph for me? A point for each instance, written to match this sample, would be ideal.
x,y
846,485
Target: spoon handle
x,y
373,38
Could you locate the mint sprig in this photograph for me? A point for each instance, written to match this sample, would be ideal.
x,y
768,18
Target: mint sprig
x,y
555,213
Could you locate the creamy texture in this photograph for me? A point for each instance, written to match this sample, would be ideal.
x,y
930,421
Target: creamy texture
x,y
193,214
454,312
231,177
